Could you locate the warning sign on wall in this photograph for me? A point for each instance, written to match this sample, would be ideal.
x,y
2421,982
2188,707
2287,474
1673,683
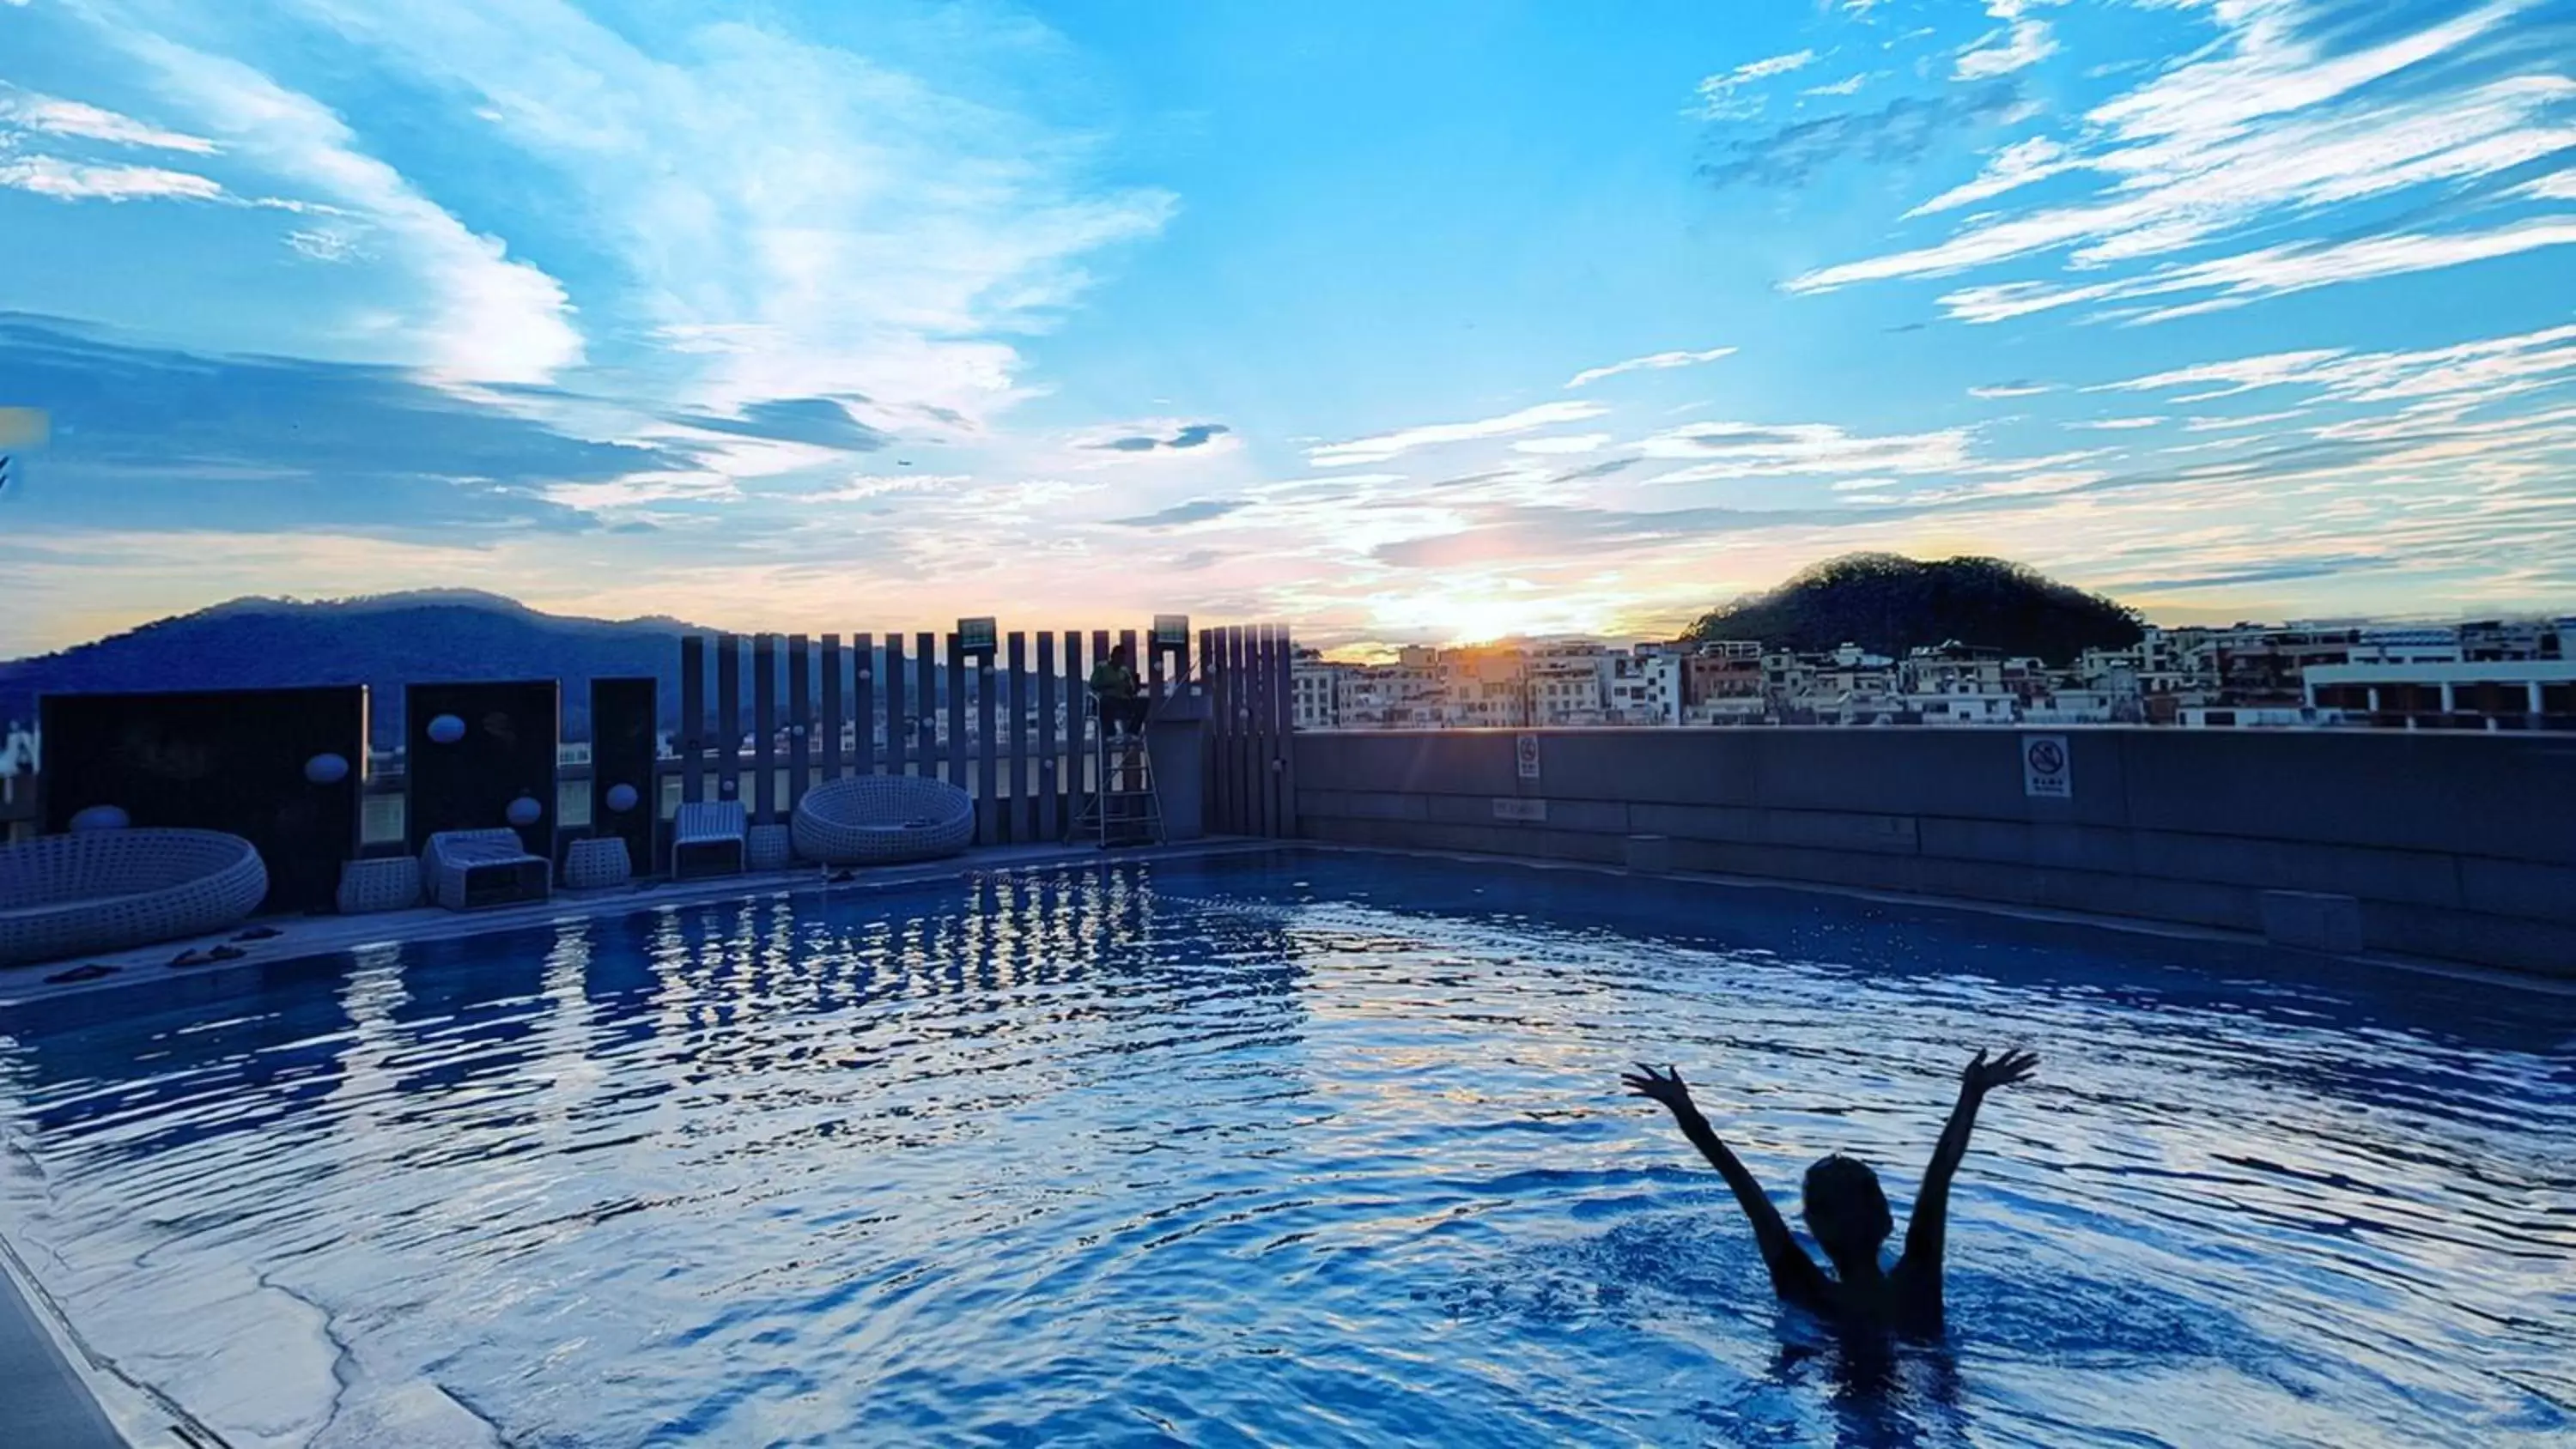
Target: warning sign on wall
x,y
2046,771
1529,757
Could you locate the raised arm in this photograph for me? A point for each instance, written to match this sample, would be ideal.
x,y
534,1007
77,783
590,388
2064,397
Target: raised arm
x,y
1927,1233
1794,1275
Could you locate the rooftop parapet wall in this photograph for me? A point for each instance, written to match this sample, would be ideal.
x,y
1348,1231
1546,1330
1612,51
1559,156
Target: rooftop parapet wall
x,y
2459,848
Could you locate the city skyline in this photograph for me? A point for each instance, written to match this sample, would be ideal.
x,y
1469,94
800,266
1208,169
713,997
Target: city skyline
x,y
1452,323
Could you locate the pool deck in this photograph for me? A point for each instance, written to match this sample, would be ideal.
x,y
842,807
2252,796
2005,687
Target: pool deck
x,y
299,937
48,1402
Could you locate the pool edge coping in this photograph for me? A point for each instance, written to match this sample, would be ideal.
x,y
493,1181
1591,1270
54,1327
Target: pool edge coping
x,y
2542,983
304,938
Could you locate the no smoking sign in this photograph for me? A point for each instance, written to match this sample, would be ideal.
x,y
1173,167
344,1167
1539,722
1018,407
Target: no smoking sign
x,y
2046,771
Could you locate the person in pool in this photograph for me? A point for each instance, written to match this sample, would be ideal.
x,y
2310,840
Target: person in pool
x,y
1847,1211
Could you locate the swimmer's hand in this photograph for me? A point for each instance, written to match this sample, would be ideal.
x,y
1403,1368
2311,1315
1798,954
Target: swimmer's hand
x,y
1667,1088
1983,1076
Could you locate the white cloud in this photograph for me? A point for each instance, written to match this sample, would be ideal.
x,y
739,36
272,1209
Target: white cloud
x,y
832,224
1849,85
1592,375
2480,371
1717,93
73,181
2271,272
2019,45
58,117
2117,425
2011,389
486,318
861,489
1571,443
1753,450
2247,420
2263,126
1383,446
326,244
2016,165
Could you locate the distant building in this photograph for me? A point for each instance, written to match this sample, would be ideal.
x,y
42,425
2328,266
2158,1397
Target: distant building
x,y
1564,682
1315,690
1484,688
1723,683
2456,694
1641,687
2432,644
2236,677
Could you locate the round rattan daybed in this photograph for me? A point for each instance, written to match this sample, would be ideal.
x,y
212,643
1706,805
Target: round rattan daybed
x,y
105,890
883,820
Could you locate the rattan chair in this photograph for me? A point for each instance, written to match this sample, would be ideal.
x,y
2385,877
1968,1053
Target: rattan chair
x,y
599,863
707,838
382,883
883,820
768,847
106,890
468,870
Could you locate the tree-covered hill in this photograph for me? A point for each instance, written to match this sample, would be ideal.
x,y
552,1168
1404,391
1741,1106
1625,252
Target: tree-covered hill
x,y
1889,604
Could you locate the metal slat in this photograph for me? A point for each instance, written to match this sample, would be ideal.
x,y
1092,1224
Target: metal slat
x,y
925,709
729,717
1099,726
1043,825
692,738
1287,731
988,786
895,729
764,726
832,716
800,717
1239,663
1211,809
1261,741
1077,728
863,707
1021,812
956,754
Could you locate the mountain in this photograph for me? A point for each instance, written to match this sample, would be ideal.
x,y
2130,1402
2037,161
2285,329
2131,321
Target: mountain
x,y
1889,604
384,642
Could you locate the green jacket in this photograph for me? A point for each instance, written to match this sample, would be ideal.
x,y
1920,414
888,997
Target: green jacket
x,y
1111,680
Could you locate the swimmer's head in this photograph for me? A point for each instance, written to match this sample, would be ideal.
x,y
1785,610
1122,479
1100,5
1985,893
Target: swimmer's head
x,y
1845,1208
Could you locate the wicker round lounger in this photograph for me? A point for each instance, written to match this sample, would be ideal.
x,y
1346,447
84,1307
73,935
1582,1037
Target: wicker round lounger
x,y
105,890
883,820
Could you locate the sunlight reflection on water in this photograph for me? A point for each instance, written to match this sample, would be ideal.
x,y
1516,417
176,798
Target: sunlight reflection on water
x,y
1308,1148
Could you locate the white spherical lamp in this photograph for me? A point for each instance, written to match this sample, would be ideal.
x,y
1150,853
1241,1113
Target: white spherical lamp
x,y
447,729
525,811
100,817
621,798
326,769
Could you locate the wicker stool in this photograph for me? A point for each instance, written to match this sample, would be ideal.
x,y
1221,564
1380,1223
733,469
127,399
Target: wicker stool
x,y
391,883
769,847
597,864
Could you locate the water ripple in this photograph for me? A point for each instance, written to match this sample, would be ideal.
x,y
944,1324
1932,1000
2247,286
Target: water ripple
x,y
1294,1149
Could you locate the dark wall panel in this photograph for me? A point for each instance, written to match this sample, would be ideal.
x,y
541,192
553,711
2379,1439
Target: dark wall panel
x,y
506,753
282,768
622,750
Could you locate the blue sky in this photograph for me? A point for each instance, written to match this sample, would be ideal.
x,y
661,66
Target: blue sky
x,y
1416,321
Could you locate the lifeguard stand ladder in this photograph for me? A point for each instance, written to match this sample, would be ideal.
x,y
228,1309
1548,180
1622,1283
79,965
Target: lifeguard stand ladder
x,y
1122,807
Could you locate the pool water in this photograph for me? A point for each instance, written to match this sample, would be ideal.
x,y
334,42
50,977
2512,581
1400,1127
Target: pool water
x,y
1305,1148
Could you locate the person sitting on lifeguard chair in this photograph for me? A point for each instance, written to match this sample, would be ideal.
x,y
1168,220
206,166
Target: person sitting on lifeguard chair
x,y
1121,701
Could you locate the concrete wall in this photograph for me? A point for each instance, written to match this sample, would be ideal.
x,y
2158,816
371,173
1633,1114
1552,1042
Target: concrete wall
x,y
2450,846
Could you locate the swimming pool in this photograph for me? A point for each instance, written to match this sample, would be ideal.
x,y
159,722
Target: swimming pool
x,y
1294,1148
